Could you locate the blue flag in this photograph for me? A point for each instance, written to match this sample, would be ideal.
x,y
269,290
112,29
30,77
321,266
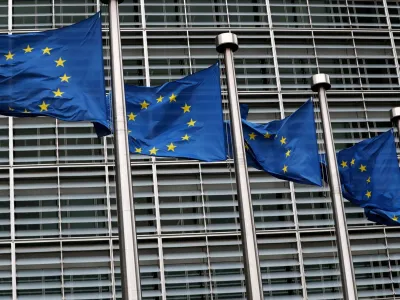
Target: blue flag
x,y
251,162
287,149
370,177
182,118
244,111
56,73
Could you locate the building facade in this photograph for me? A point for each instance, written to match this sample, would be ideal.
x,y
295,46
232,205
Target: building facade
x,y
58,237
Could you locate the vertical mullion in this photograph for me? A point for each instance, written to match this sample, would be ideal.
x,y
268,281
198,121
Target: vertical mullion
x,y
59,203
312,36
392,283
361,84
62,270
206,234
153,160
9,21
185,8
12,233
11,182
105,142
227,15
158,228
108,197
146,57
282,115
112,269
358,70
145,48
53,14
392,42
189,53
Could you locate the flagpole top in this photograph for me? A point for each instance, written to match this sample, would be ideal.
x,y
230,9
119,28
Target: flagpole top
x,y
225,41
108,1
395,113
320,80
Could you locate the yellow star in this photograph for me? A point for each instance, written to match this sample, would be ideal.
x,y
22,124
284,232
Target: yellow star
x,y
267,135
368,194
60,62
28,49
369,179
185,137
363,168
144,104
131,117
344,164
58,93
9,55
129,131
172,98
26,111
284,168
159,99
43,106
283,140
395,218
353,161
191,122
252,136
138,150
153,151
246,146
11,109
47,50
288,153
186,108
171,147
65,78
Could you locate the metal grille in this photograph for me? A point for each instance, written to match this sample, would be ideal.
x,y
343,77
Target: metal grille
x,y
58,237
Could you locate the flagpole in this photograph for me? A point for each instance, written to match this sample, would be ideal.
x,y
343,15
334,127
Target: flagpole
x,y
129,258
320,84
227,43
395,117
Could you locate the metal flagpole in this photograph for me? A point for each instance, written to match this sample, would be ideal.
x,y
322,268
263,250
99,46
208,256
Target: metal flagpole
x,y
321,83
227,43
395,117
129,259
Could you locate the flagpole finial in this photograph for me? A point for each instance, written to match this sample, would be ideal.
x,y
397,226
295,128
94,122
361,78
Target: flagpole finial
x,y
320,80
395,117
395,113
226,40
108,1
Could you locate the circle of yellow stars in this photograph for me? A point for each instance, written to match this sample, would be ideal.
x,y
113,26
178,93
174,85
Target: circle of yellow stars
x,y
171,99
362,168
59,63
267,135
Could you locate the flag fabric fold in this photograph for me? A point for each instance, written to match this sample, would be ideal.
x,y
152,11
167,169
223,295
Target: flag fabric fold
x,y
182,118
286,149
251,162
56,73
370,177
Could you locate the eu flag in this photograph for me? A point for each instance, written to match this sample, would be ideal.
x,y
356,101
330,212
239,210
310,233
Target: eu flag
x,y
56,73
182,118
287,149
251,162
370,177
